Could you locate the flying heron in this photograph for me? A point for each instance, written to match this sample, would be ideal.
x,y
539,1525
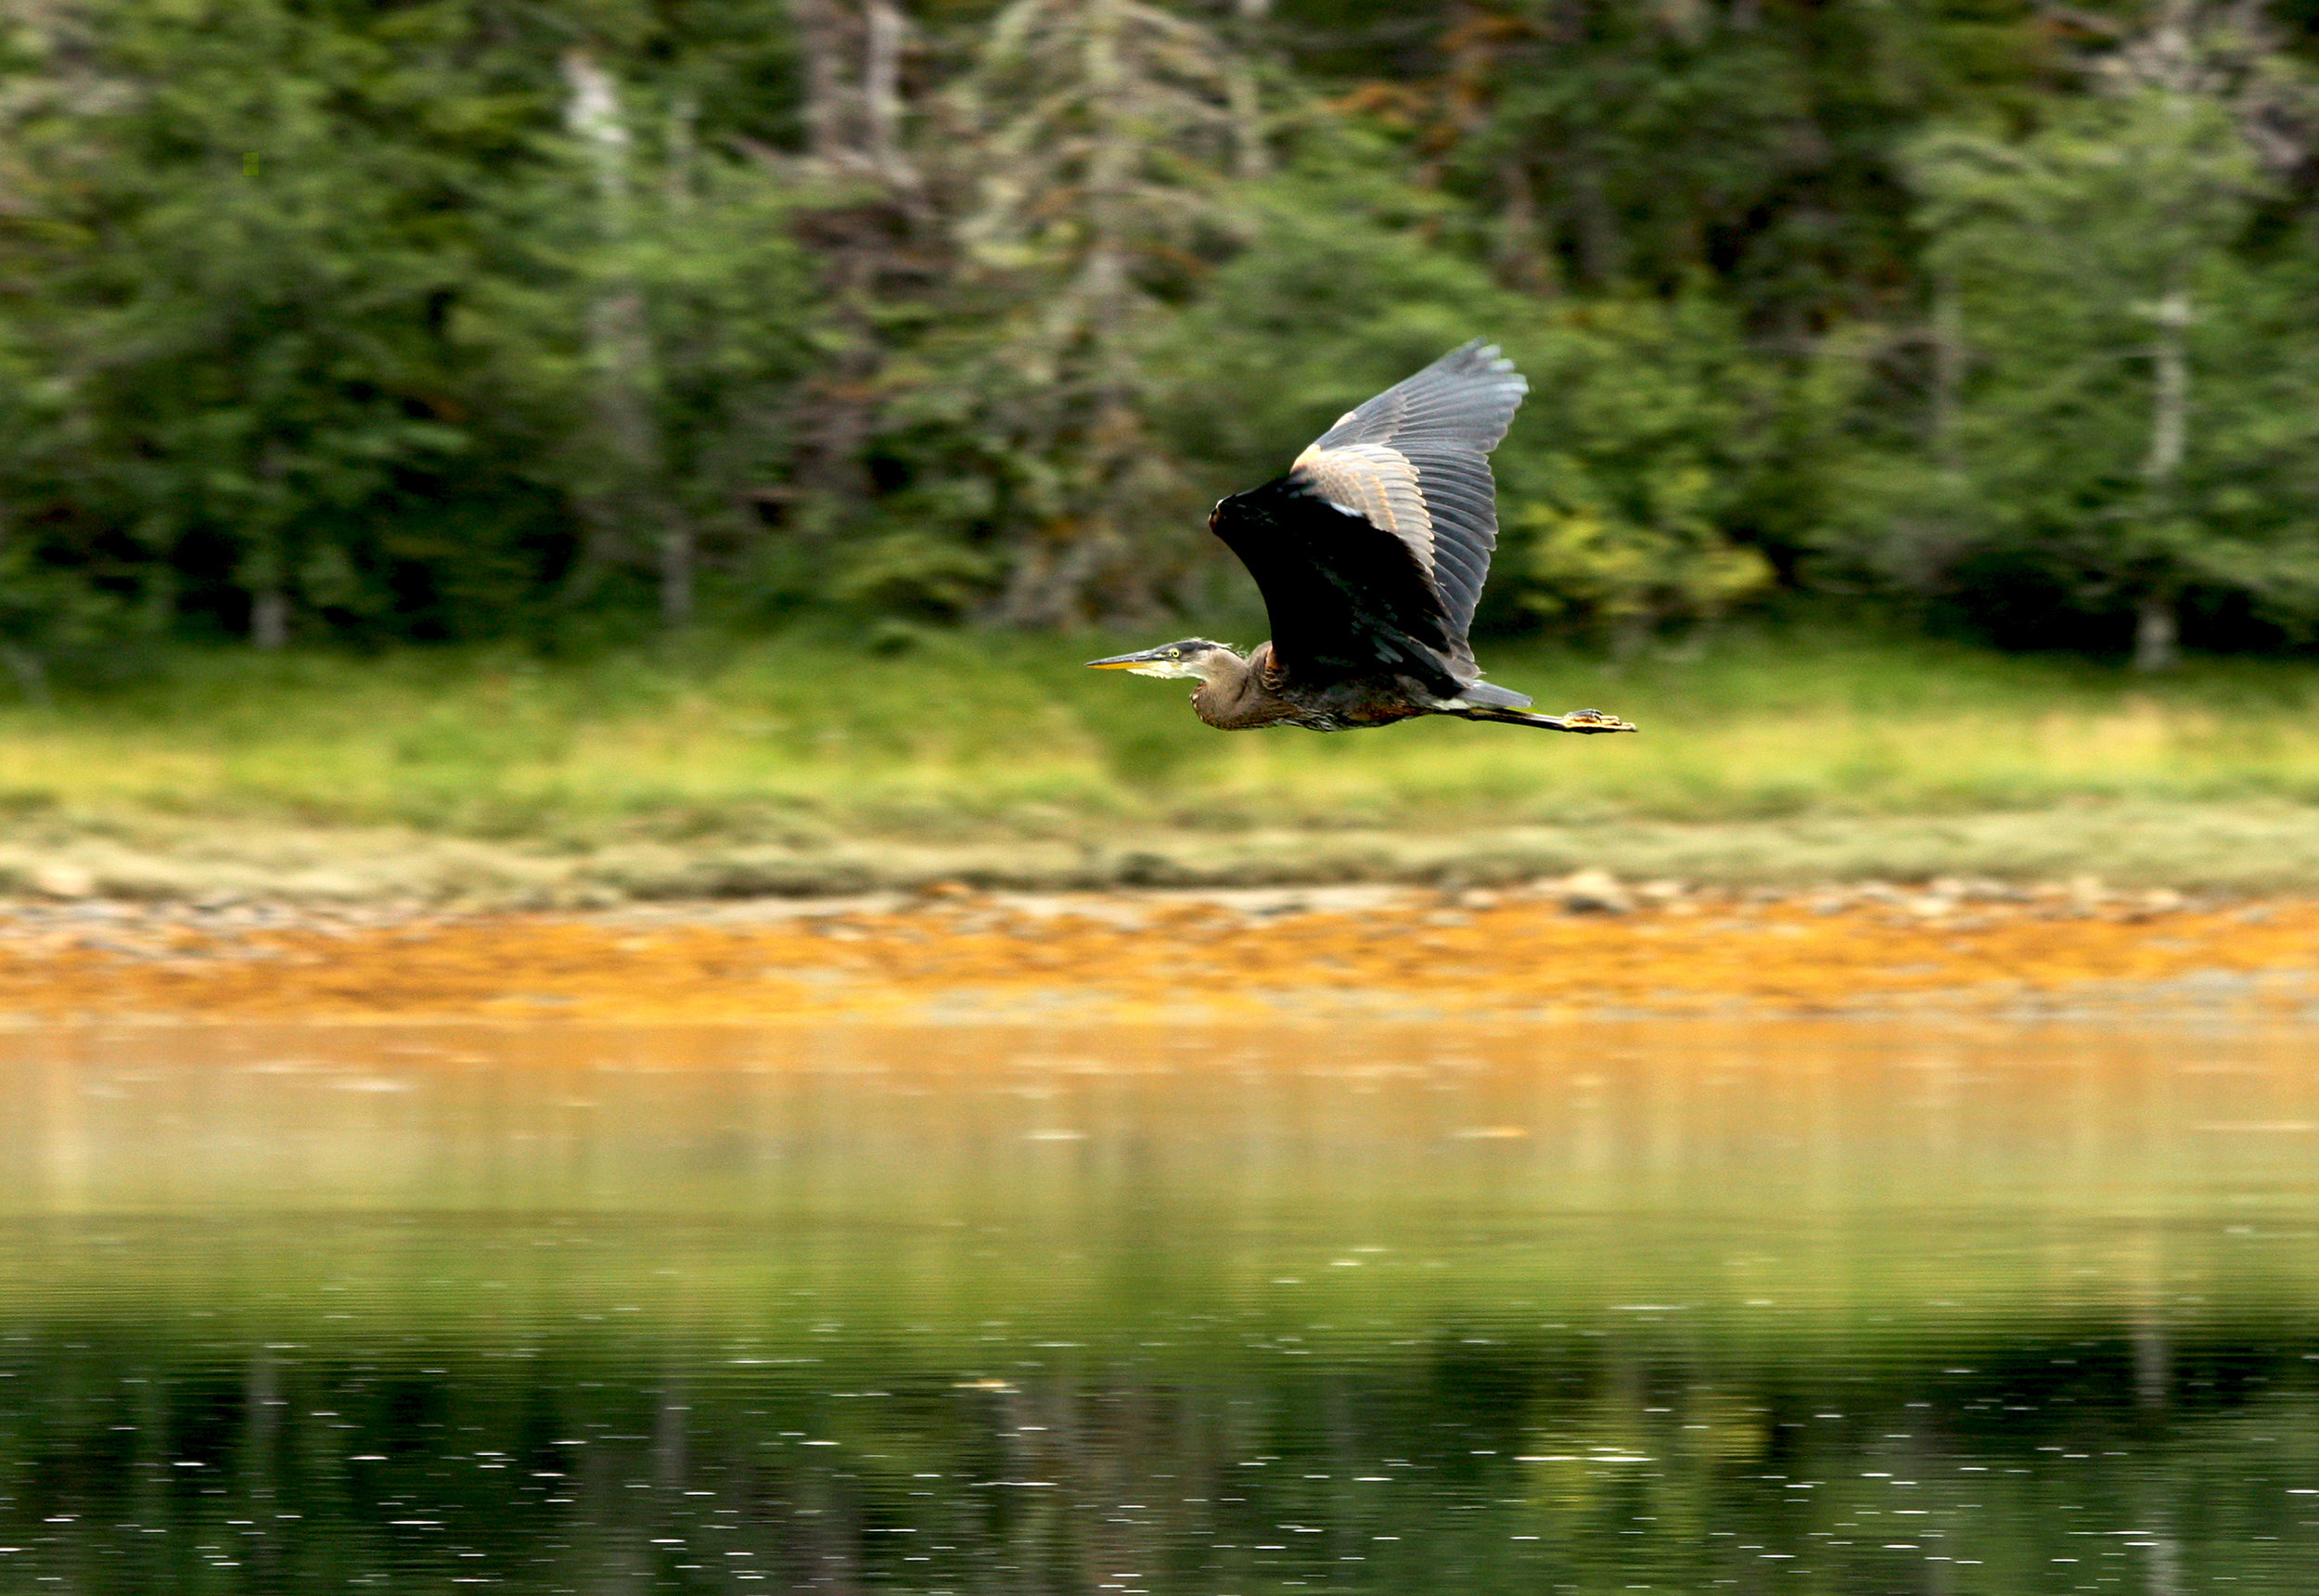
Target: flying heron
x,y
1370,554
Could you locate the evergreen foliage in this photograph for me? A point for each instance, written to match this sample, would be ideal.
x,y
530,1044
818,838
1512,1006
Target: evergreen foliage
x,y
452,319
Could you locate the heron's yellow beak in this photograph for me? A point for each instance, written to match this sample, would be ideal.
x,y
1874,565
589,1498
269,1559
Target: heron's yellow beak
x,y
1167,662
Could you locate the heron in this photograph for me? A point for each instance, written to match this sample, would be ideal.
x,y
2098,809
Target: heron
x,y
1370,554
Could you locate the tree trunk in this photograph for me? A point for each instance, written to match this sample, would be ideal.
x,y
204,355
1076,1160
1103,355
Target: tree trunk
x,y
2169,397
1948,370
2156,633
593,116
1251,157
267,568
1049,584
22,661
679,549
1104,276
681,167
886,30
32,676
269,617
859,122
1601,250
1521,264
620,349
2157,626
832,110
1089,119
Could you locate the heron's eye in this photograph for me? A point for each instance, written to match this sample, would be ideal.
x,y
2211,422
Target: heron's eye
x,y
1175,654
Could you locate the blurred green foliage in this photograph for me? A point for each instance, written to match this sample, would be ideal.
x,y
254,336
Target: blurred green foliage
x,y
449,320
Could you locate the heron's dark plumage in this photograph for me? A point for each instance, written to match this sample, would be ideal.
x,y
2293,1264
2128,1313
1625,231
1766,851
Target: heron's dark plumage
x,y
1346,599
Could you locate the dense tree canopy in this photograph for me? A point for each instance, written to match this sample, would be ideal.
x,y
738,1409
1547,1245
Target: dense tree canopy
x,y
438,319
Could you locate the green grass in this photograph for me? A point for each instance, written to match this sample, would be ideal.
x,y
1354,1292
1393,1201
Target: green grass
x,y
971,737
792,765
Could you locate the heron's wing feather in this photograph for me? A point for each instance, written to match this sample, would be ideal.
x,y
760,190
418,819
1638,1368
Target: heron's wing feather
x,y
1415,460
1346,596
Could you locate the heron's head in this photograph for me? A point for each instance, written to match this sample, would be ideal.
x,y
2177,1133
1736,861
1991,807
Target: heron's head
x,y
1195,657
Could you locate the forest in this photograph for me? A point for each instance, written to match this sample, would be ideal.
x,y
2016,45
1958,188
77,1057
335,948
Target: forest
x,y
546,322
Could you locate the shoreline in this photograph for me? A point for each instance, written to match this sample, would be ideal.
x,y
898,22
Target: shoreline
x,y
2248,849
1586,946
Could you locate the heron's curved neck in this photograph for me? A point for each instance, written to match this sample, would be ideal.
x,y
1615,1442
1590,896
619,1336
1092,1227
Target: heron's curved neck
x,y
1226,686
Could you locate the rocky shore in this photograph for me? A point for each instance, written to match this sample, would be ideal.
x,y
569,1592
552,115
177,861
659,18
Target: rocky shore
x,y
1584,944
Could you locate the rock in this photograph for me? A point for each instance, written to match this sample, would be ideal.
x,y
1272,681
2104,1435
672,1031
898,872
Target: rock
x,y
1595,892
68,882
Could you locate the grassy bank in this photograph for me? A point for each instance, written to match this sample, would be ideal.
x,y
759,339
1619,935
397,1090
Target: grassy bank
x,y
1761,756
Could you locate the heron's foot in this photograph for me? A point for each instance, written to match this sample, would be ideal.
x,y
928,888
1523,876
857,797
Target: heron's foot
x,y
1592,721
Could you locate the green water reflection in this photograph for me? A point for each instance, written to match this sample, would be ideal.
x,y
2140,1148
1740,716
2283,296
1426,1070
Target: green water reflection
x,y
1813,1310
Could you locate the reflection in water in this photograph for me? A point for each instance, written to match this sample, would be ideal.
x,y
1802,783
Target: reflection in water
x,y
1799,1308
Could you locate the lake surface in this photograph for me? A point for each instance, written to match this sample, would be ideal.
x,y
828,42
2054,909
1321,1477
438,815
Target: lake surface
x,y
1797,1308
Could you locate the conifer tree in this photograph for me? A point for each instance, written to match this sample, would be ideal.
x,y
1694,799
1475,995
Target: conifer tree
x,y
2126,354
1097,134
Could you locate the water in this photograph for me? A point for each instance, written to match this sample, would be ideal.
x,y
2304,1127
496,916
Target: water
x,y
1765,1308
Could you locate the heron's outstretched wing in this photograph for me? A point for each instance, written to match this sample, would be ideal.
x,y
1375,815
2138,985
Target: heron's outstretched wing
x,y
1415,461
1371,552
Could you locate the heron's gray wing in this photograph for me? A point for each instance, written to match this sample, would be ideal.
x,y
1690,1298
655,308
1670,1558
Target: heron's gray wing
x,y
1415,462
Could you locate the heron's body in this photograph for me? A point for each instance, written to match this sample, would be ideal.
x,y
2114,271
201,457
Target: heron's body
x,y
1238,695
1370,554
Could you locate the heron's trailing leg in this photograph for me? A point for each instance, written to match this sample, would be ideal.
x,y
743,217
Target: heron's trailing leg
x,y
1588,722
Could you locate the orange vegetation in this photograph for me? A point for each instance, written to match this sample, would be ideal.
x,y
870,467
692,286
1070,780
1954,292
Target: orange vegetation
x,y
1157,956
